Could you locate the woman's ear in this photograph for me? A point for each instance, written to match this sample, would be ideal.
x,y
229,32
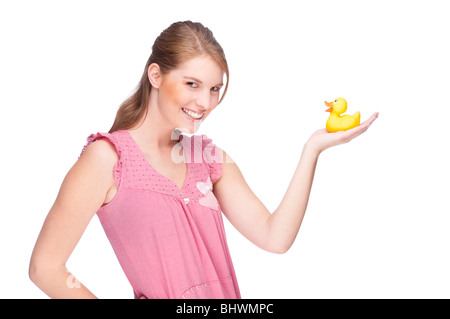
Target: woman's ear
x,y
154,75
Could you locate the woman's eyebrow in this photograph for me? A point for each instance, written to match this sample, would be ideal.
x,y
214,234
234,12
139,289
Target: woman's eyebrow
x,y
192,78
198,81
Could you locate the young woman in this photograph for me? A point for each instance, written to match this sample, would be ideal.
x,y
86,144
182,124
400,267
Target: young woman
x,y
157,192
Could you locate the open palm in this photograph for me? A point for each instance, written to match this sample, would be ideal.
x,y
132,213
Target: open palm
x,y
322,139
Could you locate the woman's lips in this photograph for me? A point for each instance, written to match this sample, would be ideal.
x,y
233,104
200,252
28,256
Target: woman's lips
x,y
193,115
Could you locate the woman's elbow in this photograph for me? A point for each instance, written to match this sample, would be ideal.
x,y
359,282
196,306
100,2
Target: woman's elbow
x,y
279,248
41,271
35,272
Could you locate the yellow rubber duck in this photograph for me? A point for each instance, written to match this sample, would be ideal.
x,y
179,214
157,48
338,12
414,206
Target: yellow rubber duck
x,y
335,121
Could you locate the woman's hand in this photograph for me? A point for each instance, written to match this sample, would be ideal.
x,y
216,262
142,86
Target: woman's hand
x,y
322,139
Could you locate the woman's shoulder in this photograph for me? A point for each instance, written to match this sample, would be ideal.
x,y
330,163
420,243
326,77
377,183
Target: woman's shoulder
x,y
99,157
100,148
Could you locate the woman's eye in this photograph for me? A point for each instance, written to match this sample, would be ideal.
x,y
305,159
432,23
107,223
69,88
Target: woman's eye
x,y
192,84
215,89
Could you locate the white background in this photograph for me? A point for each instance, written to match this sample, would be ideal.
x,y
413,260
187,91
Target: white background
x,y
377,224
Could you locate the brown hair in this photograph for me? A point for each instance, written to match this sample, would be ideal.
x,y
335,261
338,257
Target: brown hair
x,y
174,46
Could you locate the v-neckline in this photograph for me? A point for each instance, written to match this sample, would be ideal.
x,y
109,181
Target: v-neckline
x,y
156,171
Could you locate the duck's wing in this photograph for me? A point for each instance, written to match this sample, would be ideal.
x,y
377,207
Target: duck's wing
x,y
349,121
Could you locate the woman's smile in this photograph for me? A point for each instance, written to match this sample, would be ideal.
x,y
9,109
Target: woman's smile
x,y
193,115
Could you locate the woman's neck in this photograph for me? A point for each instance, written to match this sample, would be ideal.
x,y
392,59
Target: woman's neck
x,y
152,132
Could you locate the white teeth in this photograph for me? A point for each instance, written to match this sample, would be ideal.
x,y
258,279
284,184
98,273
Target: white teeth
x,y
193,114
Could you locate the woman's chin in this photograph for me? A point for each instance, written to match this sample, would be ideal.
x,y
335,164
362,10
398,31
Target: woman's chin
x,y
190,129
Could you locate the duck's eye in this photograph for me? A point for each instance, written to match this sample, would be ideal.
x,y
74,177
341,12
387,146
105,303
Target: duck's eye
x,y
335,101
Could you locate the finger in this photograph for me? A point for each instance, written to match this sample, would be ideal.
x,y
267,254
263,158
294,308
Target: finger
x,y
366,124
370,120
356,131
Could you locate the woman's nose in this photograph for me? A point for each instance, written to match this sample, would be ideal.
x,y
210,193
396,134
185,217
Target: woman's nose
x,y
203,101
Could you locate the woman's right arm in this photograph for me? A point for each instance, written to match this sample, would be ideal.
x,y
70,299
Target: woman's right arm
x,y
82,193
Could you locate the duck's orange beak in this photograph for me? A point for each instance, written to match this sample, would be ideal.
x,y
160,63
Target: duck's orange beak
x,y
330,105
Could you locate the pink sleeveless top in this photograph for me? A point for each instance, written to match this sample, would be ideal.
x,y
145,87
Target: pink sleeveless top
x,y
169,241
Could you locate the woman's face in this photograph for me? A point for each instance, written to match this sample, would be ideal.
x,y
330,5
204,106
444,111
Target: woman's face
x,y
189,93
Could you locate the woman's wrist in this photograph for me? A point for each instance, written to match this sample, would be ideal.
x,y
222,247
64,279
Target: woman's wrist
x,y
311,149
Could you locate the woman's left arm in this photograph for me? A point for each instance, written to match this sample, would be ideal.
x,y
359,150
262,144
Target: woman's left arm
x,y
277,231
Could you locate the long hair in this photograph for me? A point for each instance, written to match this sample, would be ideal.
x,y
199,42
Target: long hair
x,y
178,43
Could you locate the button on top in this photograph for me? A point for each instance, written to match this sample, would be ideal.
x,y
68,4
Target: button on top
x,y
186,200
